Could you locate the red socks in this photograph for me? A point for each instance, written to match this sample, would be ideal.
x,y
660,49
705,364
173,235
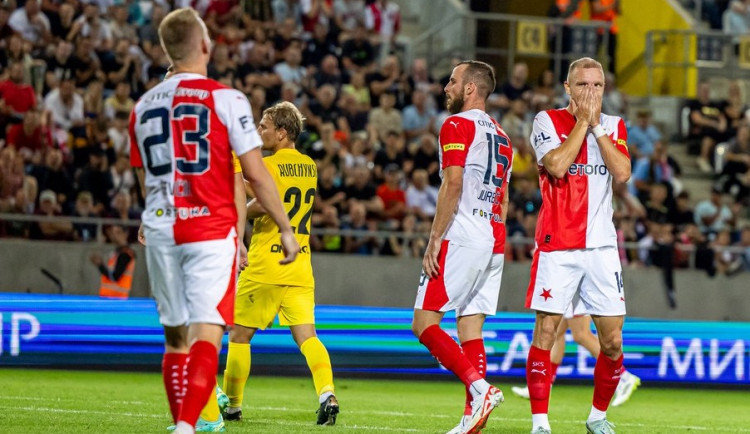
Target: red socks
x,y
539,379
173,374
474,352
553,373
449,354
606,377
202,365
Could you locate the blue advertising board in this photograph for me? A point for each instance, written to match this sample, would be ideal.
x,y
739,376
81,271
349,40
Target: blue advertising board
x,y
83,331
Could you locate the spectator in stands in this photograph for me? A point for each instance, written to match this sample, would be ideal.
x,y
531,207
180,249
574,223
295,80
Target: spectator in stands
x,y
61,21
84,207
31,23
362,190
95,178
118,134
726,262
22,203
327,150
329,219
745,244
516,122
122,177
660,167
65,105
642,135
736,20
356,114
222,66
329,73
30,138
90,25
256,71
607,10
119,25
329,191
60,64
323,110
524,163
258,100
123,67
516,87
708,125
683,214
117,273
358,88
420,78
385,117
290,70
625,205
119,101
713,215
286,35
735,108
391,153
736,170
527,200
319,46
11,172
157,68
59,230
149,34
53,176
657,210
426,157
547,92
383,20
421,197
85,63
122,209
358,154
315,12
17,95
357,54
391,194
418,117
389,78
6,30
364,244
614,101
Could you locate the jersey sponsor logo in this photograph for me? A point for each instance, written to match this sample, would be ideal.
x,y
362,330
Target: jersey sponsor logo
x,y
483,123
455,124
278,248
180,188
297,170
487,215
541,138
183,212
489,196
587,169
191,93
244,120
622,142
453,147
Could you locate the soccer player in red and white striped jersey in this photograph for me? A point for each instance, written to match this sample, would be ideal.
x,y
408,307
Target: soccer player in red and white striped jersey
x,y
580,153
182,133
463,262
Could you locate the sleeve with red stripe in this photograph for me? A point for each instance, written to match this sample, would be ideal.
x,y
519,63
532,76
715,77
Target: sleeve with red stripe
x,y
135,153
456,136
621,142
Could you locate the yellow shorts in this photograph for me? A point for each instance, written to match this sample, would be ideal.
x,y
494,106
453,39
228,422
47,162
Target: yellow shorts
x,y
256,304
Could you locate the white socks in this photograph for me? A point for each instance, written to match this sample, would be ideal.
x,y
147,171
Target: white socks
x,y
540,421
479,388
324,396
596,414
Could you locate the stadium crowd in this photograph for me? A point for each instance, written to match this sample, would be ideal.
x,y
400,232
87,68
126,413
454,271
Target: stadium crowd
x,y
72,71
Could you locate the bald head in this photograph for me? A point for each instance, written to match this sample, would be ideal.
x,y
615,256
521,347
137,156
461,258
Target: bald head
x,y
481,74
181,33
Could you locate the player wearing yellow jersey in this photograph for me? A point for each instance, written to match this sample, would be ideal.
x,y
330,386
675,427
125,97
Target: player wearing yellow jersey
x,y
265,288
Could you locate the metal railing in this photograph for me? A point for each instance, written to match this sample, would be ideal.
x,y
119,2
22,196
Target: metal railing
x,y
525,37
381,235
709,53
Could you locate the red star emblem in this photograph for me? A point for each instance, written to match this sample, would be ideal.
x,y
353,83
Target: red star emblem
x,y
546,293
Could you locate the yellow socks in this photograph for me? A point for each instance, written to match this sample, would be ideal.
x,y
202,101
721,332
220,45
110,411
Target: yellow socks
x,y
319,363
210,412
237,371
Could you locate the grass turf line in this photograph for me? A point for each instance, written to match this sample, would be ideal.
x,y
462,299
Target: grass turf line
x,y
111,402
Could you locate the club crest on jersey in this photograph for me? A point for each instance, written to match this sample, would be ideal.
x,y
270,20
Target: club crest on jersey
x,y
453,147
587,169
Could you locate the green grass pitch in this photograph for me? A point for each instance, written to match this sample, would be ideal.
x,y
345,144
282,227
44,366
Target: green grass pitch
x,y
62,402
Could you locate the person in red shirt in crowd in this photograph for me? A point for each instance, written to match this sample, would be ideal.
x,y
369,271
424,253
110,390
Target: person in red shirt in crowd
x,y
17,96
390,192
30,136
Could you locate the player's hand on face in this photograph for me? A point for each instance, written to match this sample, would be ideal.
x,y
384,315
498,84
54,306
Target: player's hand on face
x,y
291,247
596,107
141,235
430,261
243,256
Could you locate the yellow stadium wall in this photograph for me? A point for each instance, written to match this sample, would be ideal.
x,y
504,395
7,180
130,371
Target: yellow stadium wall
x,y
638,17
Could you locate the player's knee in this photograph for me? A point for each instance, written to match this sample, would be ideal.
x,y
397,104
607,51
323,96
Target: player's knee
x,y
611,344
545,335
416,328
175,341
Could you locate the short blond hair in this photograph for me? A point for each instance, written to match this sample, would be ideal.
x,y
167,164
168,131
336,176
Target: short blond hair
x,y
285,115
584,63
179,32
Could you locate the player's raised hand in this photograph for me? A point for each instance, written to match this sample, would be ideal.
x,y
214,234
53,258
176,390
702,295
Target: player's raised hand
x,y
430,261
596,107
290,246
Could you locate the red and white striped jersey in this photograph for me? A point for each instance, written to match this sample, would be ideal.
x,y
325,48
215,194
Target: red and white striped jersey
x,y
576,210
182,133
476,142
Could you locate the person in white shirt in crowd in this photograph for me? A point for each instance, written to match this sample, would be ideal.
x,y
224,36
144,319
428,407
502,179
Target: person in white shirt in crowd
x,y
65,105
31,23
421,197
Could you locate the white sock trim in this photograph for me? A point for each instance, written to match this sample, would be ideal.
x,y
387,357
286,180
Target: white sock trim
x,y
323,396
540,420
596,414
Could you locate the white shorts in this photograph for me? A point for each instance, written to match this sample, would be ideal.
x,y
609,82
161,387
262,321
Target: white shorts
x,y
194,282
575,308
594,275
469,281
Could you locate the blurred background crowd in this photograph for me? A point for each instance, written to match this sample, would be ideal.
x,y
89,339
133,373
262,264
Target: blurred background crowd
x,y
72,70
